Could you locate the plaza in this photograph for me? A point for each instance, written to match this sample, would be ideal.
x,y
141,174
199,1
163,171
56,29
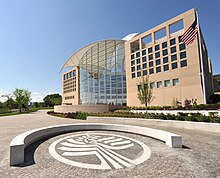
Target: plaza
x,y
199,156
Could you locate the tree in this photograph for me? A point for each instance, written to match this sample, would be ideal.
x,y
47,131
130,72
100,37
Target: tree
x,y
145,92
9,101
22,98
53,99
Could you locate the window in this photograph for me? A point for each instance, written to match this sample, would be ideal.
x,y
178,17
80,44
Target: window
x,y
175,81
135,46
132,56
177,26
138,74
157,54
166,83
166,67
144,66
150,50
159,84
143,52
174,65
138,54
160,34
157,62
158,69
151,64
173,57
152,85
151,71
64,77
173,49
172,42
145,72
183,55
144,59
139,67
138,61
183,63
182,46
164,44
150,57
146,40
74,73
157,47
165,60
132,63
71,74
132,69
133,75
165,52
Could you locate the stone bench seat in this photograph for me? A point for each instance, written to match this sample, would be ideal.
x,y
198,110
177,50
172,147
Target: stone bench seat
x,y
22,141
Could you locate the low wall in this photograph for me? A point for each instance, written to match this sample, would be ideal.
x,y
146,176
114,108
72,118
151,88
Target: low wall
x,y
175,112
84,108
200,126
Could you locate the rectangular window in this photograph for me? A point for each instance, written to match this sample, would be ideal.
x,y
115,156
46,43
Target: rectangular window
x,y
183,63
71,74
172,42
159,84
152,85
157,54
164,44
132,69
138,61
157,62
182,47
146,40
151,64
135,46
151,71
144,72
133,75
175,81
173,49
166,83
74,73
139,67
174,65
64,77
166,67
160,35
132,56
157,47
150,50
173,57
144,59
138,54
158,69
143,52
165,60
150,57
165,52
132,63
183,55
144,66
138,74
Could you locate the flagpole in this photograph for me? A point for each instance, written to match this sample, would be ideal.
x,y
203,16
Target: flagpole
x,y
201,58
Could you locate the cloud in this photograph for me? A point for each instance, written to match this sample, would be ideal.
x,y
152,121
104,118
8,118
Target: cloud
x,y
35,93
2,99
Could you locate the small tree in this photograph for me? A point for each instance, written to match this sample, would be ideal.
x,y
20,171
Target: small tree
x,y
145,92
19,98
9,101
27,98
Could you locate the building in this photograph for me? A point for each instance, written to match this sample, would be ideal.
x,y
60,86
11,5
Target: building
x,y
107,72
216,81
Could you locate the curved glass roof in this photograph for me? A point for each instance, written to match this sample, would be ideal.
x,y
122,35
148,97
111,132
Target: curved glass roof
x,y
109,46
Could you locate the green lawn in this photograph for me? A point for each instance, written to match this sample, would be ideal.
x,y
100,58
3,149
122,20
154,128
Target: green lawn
x,y
24,112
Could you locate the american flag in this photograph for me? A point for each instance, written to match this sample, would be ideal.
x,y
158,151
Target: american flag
x,y
190,33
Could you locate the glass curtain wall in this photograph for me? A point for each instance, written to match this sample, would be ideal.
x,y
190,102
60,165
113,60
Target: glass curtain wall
x,y
102,74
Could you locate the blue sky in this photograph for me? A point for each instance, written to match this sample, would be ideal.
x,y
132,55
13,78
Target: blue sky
x,y
38,36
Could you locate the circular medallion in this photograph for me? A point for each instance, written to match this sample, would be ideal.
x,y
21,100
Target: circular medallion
x,y
99,151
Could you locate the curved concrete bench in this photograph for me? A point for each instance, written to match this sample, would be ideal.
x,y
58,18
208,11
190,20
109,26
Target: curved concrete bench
x,y
20,142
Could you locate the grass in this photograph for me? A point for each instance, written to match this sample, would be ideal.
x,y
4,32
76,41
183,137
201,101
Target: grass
x,y
23,112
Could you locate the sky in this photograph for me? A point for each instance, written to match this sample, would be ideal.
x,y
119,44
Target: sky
x,y
38,36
